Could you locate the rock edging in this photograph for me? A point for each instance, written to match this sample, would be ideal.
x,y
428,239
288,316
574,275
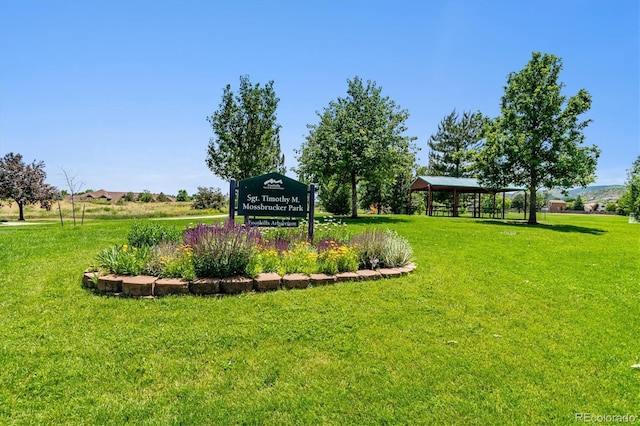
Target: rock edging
x,y
150,286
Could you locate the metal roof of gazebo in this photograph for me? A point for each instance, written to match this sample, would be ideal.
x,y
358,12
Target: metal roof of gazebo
x,y
461,185
456,186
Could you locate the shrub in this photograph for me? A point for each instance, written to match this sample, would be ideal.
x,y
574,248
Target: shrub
x,y
221,250
123,260
397,251
302,258
170,260
182,195
335,198
370,246
145,196
209,198
148,234
128,197
264,259
334,257
378,248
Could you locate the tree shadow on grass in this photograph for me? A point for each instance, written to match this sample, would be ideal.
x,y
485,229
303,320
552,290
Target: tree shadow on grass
x,y
374,219
557,228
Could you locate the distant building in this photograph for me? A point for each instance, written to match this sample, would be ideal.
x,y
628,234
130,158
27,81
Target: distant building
x,y
557,206
110,196
591,207
595,207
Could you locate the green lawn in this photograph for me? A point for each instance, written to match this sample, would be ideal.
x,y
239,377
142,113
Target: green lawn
x,y
502,323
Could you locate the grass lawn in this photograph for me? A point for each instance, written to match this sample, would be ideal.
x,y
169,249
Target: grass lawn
x,y
502,323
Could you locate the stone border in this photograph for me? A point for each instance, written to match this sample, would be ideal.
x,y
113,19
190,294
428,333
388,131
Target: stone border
x,y
150,286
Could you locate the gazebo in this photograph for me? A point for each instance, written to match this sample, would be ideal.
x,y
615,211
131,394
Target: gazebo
x,y
458,186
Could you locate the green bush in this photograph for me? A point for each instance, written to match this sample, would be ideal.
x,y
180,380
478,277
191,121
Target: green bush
x,y
148,234
170,260
370,247
382,249
221,250
209,198
123,259
397,250
145,196
334,257
301,258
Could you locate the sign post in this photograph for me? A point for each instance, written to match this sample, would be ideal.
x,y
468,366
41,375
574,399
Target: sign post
x,y
232,200
312,206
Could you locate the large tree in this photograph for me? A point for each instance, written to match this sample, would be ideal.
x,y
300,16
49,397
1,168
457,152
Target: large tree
x,y
537,140
24,183
247,135
452,147
360,138
630,200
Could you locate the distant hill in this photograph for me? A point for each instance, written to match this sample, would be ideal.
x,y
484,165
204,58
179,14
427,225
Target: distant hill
x,y
594,194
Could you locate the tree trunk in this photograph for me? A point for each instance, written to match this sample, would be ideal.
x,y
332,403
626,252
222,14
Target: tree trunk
x,y
532,207
354,196
21,210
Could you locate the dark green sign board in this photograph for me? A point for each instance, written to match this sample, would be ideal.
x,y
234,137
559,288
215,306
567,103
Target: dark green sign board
x,y
272,194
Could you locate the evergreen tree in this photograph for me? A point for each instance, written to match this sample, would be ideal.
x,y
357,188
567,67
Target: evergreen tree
x,y
452,147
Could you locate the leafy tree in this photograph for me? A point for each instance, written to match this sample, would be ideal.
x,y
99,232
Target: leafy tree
x,y
162,197
24,183
452,147
611,206
518,202
360,138
145,196
630,200
487,205
182,195
128,197
209,198
535,142
247,136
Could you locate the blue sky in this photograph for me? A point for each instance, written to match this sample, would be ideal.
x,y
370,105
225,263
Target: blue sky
x,y
117,92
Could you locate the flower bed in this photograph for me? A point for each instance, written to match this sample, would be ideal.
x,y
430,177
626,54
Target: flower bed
x,y
229,259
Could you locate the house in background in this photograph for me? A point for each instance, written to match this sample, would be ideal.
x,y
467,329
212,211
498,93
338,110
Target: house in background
x,y
557,206
595,207
111,196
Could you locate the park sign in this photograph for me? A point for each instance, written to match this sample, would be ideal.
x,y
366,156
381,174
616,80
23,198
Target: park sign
x,y
272,194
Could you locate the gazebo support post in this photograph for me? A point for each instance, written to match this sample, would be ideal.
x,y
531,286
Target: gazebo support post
x,y
493,211
455,204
